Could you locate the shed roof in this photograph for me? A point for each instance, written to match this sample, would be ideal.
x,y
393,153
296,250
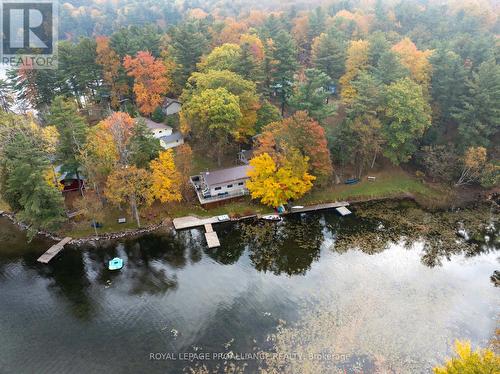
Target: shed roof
x,y
226,175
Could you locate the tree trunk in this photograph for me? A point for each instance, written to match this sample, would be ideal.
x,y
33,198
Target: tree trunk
x,y
135,211
79,183
373,161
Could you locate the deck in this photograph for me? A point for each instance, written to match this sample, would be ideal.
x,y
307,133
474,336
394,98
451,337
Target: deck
x,y
53,251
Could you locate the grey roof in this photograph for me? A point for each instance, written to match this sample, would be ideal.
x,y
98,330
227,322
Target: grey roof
x,y
226,175
172,138
152,125
169,101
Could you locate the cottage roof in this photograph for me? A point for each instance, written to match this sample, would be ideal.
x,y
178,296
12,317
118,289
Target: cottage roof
x,y
169,101
152,125
226,175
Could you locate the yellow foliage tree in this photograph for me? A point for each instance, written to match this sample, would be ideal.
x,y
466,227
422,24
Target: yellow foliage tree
x,y
132,185
417,62
274,185
357,61
165,179
470,362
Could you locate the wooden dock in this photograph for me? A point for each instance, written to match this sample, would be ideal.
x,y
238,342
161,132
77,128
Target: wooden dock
x,y
53,251
211,236
312,208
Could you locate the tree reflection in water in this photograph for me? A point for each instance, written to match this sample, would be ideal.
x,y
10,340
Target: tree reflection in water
x,y
443,233
289,247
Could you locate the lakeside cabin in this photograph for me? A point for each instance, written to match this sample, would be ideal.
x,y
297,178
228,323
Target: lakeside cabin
x,y
220,185
165,134
69,181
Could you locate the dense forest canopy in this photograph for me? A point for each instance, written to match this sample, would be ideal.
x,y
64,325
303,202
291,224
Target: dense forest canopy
x,y
321,90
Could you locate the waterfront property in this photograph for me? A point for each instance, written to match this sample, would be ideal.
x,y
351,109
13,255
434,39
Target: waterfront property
x,y
69,181
219,185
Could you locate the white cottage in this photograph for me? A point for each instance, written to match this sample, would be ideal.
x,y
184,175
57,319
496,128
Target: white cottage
x,y
212,186
167,136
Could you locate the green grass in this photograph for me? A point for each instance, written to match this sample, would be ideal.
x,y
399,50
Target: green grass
x,y
202,163
391,184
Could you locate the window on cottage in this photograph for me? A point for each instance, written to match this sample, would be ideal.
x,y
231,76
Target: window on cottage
x,y
240,184
218,188
229,186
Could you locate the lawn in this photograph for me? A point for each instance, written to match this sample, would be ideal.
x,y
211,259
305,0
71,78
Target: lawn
x,y
388,184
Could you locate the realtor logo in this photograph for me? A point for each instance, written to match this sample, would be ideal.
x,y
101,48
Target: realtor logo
x,y
29,33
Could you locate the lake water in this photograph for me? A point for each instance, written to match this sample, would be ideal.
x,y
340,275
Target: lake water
x,y
316,293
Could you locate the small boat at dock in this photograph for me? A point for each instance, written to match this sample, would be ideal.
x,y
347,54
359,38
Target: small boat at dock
x,y
115,264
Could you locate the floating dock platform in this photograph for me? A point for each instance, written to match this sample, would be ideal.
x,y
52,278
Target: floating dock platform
x,y
211,236
53,251
343,211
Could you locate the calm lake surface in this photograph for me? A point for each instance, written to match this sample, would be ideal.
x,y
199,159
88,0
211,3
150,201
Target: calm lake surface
x,y
362,293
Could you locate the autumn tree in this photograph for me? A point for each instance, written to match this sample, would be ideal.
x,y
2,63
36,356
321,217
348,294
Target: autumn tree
x,y
416,61
303,134
150,80
468,361
276,183
213,116
120,127
356,62
407,116
165,179
183,159
98,157
130,185
113,73
474,161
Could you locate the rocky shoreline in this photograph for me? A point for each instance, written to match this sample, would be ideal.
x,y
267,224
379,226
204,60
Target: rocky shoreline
x,y
168,225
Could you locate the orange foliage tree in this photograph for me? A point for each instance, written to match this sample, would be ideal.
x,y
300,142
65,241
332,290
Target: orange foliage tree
x,y
417,62
111,70
120,126
150,80
302,133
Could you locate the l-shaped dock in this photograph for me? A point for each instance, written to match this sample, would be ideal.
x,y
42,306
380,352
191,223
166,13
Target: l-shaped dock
x,y
211,237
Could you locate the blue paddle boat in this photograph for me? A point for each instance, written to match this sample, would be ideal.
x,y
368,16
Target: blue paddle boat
x,y
115,264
